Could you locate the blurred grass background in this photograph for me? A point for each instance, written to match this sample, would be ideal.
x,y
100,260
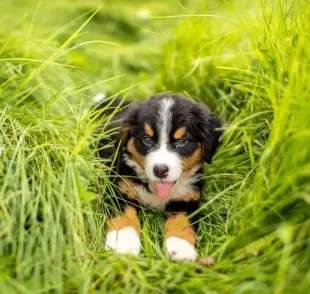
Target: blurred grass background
x,y
248,60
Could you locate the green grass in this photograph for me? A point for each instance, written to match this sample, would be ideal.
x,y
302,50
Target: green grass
x,y
249,61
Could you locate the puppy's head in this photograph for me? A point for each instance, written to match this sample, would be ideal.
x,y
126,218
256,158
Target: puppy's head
x,y
167,136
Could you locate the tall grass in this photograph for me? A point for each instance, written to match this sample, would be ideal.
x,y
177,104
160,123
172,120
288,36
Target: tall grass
x,y
249,62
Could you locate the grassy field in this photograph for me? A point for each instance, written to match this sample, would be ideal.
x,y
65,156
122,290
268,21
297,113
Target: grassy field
x,y
249,60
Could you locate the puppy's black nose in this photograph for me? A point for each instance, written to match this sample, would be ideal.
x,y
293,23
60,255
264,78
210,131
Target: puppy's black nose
x,y
161,170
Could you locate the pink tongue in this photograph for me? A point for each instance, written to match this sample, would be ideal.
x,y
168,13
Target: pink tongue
x,y
163,189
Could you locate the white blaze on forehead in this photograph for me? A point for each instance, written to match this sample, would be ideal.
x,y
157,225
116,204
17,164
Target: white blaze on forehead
x,y
162,155
164,121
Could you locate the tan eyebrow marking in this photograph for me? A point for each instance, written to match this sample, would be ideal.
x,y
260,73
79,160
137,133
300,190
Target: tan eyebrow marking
x,y
179,133
148,130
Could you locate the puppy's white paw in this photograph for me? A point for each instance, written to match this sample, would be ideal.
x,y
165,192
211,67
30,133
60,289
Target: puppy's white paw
x,y
180,250
124,241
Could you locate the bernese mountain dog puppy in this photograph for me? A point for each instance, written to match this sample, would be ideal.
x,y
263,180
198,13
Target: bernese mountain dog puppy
x,y
162,144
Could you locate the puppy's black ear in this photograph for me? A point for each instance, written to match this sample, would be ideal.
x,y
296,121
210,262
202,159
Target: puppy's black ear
x,y
212,139
208,125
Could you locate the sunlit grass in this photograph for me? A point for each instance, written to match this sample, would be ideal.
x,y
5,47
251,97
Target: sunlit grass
x,y
248,61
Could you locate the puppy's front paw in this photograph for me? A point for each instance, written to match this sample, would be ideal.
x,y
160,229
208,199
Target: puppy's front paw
x,y
180,250
124,241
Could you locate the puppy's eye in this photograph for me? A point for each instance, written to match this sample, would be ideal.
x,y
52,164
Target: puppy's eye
x,y
182,142
147,141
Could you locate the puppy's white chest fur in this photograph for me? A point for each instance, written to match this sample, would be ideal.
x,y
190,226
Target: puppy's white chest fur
x,y
150,199
178,192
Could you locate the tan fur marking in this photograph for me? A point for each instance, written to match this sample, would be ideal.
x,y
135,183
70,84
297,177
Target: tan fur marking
x,y
124,134
192,196
189,162
179,133
129,219
148,130
178,226
128,187
136,156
